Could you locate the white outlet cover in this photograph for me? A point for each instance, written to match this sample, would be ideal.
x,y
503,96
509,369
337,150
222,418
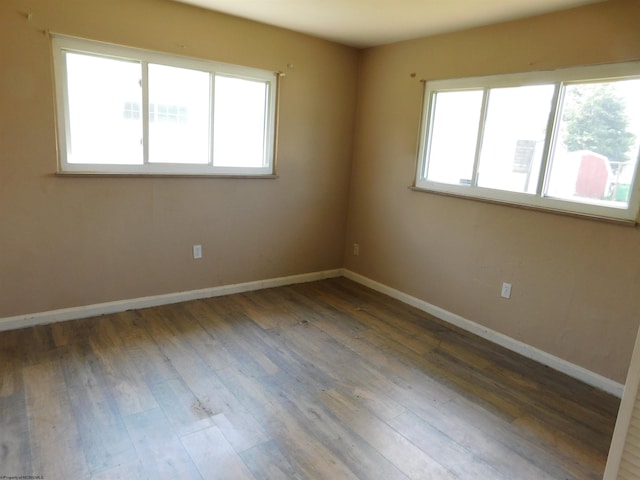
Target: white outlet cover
x,y
506,290
197,251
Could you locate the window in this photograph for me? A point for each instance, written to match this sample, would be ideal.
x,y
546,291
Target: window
x,y
567,140
123,110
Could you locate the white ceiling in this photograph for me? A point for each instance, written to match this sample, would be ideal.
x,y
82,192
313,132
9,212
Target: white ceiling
x,y
365,23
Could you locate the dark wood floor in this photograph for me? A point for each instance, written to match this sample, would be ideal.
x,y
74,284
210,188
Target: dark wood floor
x,y
322,380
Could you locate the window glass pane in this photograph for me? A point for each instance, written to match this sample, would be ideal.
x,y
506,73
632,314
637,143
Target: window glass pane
x,y
454,134
597,146
178,115
104,95
239,122
514,137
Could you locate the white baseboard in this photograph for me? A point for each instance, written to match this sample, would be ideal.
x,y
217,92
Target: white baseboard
x,y
575,371
41,318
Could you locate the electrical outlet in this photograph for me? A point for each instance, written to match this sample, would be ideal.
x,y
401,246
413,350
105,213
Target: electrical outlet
x,y
506,290
356,249
197,251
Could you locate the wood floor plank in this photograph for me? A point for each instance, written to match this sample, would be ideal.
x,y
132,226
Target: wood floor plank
x,y
401,370
268,316
105,440
15,453
239,321
214,456
351,296
10,364
181,407
210,397
9,374
407,333
473,428
126,384
37,345
526,387
403,334
56,446
352,449
159,448
145,354
240,428
363,372
193,371
545,398
221,326
124,471
408,458
275,360
267,462
491,438
460,461
210,349
310,456
578,459
327,354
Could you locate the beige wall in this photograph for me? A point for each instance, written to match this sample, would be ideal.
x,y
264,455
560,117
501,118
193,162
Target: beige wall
x,y
67,242
576,282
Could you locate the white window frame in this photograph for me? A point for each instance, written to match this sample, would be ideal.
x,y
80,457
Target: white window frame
x,y
559,78
62,44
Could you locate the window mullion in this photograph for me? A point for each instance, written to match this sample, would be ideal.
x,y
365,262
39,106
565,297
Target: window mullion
x,y
428,108
212,106
265,130
550,139
483,117
144,83
64,85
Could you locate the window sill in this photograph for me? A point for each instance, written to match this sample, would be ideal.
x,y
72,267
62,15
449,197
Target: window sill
x,y
165,175
616,221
